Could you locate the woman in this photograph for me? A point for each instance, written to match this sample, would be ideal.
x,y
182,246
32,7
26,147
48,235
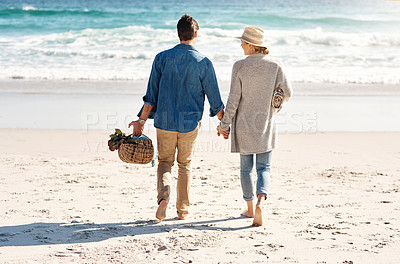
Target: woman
x,y
252,116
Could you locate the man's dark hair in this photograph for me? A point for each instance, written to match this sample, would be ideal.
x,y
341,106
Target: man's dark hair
x,y
187,27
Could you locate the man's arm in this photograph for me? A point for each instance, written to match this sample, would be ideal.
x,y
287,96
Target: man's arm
x,y
210,88
150,99
138,125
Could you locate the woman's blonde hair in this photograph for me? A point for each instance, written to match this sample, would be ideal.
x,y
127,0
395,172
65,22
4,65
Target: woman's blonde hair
x,y
263,50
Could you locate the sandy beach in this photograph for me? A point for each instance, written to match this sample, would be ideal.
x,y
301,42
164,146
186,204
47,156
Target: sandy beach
x,y
66,198
73,71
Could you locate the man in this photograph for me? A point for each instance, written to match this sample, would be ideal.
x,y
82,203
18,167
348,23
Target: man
x,y
179,80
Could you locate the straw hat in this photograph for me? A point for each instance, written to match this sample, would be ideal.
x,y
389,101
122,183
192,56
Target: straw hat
x,y
254,36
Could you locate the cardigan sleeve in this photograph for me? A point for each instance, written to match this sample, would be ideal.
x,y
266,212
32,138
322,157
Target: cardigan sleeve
x,y
283,83
233,99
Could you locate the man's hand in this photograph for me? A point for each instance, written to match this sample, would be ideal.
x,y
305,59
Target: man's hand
x,y
224,133
137,128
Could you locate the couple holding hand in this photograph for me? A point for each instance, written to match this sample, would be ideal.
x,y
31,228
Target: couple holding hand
x,y
180,79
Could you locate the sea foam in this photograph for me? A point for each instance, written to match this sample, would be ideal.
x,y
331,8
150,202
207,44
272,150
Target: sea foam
x,y
29,8
126,53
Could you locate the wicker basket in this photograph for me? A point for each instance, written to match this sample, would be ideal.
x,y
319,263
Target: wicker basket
x,y
140,152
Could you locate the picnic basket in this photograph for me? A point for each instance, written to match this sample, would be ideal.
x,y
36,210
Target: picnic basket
x,y
137,150
132,149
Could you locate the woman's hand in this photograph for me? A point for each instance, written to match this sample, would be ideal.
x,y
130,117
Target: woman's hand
x,y
224,133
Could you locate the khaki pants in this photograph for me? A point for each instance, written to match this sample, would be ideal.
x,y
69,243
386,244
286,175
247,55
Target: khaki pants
x,y
167,143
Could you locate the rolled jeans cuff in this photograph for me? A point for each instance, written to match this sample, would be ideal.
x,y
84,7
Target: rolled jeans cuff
x,y
263,192
248,199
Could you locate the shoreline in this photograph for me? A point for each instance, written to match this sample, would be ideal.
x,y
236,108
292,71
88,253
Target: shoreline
x,y
138,87
303,114
108,104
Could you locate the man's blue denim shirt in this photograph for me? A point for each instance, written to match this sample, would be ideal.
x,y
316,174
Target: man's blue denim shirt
x,y
179,80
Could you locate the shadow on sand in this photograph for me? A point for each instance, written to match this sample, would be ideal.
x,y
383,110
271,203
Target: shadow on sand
x,y
67,233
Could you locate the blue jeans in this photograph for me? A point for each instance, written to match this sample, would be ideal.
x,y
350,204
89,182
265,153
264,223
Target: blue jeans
x,y
263,161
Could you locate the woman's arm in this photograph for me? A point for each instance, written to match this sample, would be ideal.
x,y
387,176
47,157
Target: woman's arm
x,y
283,83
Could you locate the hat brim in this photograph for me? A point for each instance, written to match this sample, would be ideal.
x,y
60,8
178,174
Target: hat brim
x,y
264,44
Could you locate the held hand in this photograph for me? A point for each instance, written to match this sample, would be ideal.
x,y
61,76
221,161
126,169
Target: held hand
x,y
224,133
137,128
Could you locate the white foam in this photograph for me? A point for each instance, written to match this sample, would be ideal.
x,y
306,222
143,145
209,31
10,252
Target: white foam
x,y
29,8
126,53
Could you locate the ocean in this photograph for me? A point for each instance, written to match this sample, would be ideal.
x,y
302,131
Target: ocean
x,y
320,41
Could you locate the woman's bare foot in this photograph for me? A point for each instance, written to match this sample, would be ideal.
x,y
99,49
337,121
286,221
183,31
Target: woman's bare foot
x,y
246,213
258,217
161,213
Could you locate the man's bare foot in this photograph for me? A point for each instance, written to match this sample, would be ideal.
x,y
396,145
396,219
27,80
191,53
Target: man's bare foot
x,y
161,213
250,211
184,217
246,213
258,218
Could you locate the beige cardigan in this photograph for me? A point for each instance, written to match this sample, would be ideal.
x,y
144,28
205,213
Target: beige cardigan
x,y
249,108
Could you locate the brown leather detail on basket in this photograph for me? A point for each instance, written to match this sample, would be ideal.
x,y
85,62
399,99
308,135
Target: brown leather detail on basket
x,y
277,99
141,152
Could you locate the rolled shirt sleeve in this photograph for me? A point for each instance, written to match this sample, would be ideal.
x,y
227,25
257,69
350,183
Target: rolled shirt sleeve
x,y
153,85
151,96
210,88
